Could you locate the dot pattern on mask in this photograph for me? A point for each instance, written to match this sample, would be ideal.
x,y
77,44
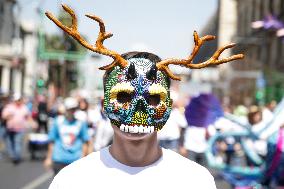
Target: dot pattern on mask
x,y
129,113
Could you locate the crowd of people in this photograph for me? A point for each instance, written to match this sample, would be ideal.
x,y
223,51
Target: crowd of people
x,y
73,128
32,123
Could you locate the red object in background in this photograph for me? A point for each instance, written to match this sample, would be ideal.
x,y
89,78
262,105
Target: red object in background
x,y
34,114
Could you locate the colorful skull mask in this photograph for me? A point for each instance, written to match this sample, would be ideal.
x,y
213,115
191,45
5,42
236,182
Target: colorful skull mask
x,y
137,98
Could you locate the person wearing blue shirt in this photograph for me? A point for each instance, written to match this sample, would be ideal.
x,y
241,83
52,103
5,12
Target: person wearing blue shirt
x,y
68,138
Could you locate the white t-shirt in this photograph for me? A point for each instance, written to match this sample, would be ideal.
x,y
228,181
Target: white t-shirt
x,y
101,170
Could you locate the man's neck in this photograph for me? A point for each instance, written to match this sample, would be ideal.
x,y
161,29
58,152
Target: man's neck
x,y
136,153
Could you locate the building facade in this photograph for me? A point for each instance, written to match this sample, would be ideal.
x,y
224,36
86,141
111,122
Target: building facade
x,y
263,67
18,44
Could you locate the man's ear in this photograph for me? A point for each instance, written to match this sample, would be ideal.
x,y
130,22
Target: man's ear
x,y
102,103
171,102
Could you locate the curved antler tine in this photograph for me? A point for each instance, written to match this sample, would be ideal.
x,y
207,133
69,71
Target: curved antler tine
x,y
72,14
102,26
198,43
99,20
169,73
231,58
195,37
220,51
107,67
98,47
70,30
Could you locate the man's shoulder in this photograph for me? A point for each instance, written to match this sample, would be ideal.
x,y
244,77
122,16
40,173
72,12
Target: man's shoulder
x,y
73,175
180,162
186,169
82,165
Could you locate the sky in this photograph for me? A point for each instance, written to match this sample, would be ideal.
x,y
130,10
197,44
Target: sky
x,y
163,27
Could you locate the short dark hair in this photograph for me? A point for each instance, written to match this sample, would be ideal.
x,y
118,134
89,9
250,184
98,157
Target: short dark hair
x,y
146,55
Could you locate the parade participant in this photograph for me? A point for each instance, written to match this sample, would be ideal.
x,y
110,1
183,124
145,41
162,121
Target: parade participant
x,y
17,117
137,102
84,113
201,114
68,138
274,169
104,131
83,110
3,102
257,122
42,114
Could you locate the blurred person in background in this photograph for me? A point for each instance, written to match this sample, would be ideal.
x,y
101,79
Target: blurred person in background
x,y
169,136
273,175
68,138
4,99
201,112
255,119
84,113
267,111
241,112
104,132
272,105
42,114
17,118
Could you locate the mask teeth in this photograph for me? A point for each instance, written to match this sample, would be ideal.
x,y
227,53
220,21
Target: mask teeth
x,y
137,129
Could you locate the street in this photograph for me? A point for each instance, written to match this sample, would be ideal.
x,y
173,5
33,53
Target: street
x,y
27,175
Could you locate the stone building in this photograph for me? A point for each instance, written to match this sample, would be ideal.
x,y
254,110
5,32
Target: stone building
x,y
222,25
17,51
263,66
251,24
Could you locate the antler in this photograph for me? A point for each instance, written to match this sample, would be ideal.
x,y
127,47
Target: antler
x,y
214,60
98,48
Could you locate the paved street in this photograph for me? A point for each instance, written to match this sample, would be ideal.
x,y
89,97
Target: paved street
x,y
27,175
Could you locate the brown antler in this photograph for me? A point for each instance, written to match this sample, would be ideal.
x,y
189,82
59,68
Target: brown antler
x,y
98,48
163,65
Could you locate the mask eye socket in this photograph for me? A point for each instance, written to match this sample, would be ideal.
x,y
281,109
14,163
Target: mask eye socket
x,y
124,97
154,99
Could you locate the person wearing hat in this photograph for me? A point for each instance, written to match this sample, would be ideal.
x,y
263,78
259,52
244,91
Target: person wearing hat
x,y
68,138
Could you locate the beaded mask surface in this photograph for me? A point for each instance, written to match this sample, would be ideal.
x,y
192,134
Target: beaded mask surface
x,y
136,84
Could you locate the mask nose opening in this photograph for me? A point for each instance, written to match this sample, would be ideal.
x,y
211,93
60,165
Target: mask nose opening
x,y
140,106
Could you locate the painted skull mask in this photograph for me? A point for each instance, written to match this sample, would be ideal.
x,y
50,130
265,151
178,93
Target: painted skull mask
x,y
137,98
